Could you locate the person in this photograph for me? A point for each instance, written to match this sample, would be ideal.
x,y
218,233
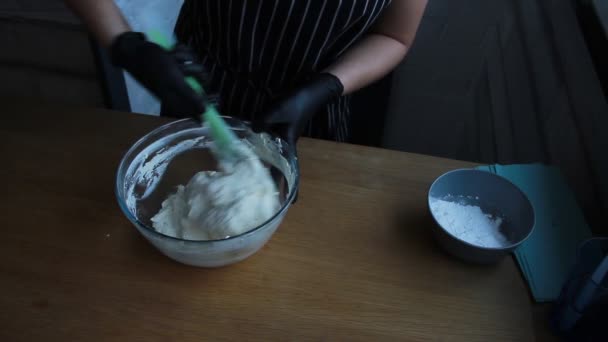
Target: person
x,y
288,66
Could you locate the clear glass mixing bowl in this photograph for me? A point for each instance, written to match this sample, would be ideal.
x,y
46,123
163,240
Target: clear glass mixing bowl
x,y
170,155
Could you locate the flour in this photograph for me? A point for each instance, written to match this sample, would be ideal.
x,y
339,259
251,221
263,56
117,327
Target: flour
x,y
469,223
219,204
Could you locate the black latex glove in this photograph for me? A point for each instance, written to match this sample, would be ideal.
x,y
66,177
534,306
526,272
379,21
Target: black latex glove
x,y
161,72
288,117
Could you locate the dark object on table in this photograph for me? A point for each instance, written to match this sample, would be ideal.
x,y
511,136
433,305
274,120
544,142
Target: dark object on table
x,y
582,309
591,326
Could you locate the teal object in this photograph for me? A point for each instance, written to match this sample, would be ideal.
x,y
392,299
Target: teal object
x,y
547,256
223,137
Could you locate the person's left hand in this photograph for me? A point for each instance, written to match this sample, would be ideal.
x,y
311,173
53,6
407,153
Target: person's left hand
x,y
288,117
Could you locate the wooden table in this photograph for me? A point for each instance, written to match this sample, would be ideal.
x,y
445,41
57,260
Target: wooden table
x,y
353,260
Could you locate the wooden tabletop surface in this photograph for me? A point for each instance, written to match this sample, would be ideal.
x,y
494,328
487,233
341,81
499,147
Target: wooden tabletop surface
x,y
353,260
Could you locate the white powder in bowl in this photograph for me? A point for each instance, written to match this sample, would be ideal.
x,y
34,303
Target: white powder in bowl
x,y
469,223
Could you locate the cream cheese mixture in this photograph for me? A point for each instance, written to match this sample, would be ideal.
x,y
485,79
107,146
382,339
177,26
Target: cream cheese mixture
x,y
218,204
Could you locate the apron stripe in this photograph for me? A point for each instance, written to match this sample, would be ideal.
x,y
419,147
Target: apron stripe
x,y
228,30
274,11
255,26
312,37
239,45
278,46
210,28
350,15
365,27
331,28
295,41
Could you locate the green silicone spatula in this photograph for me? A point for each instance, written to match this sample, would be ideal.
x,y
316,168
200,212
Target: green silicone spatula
x,y
223,137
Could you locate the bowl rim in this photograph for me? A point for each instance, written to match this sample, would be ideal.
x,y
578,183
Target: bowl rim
x,y
134,220
505,248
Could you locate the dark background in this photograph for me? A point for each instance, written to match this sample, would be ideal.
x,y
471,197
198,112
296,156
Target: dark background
x,y
501,81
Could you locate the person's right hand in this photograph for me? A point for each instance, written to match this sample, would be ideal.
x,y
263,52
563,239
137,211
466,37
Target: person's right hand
x,y
161,72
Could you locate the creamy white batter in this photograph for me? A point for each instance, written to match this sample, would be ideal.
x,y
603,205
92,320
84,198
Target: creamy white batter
x,y
218,204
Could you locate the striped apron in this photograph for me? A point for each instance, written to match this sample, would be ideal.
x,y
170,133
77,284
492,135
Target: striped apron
x,y
255,51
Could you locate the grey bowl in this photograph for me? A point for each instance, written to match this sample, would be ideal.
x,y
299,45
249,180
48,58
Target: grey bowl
x,y
494,195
